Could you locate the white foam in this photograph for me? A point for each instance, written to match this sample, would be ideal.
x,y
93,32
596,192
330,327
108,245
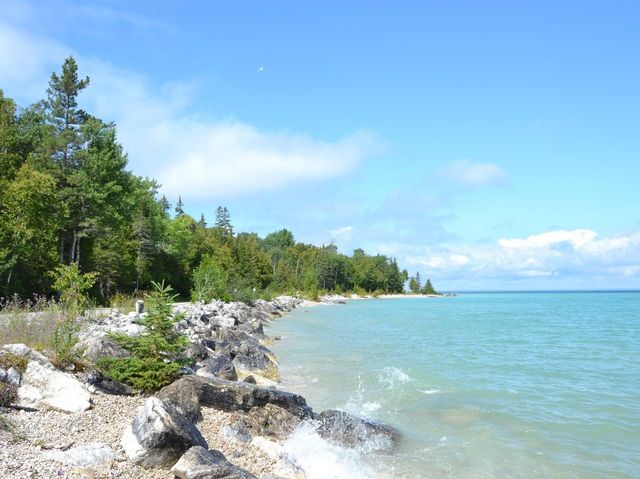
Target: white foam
x,y
392,376
429,392
322,460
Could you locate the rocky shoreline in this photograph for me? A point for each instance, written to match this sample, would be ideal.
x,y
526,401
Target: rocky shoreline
x,y
224,417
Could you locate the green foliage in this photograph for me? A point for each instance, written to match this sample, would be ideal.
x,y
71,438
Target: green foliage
x,y
66,198
32,323
15,361
65,355
210,281
153,363
72,285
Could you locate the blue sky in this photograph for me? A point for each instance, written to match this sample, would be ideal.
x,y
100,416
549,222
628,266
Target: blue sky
x,y
489,145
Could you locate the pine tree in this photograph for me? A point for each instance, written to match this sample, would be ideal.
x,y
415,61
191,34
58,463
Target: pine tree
x,y
153,363
179,205
202,222
223,223
418,283
166,206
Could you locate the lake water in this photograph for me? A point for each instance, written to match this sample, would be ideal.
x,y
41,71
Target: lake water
x,y
482,385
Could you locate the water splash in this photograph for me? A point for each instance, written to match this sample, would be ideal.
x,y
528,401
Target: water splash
x,y
391,376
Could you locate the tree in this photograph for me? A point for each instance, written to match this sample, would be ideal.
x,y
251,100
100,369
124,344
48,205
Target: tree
x,y
428,288
202,223
223,223
66,120
153,362
179,205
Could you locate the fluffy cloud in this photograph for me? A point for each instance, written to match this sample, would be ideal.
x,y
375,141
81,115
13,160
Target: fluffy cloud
x,y
198,158
474,175
565,257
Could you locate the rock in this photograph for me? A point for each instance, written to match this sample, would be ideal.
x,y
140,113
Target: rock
x,y
196,351
218,367
97,347
250,358
273,421
3,375
237,432
250,379
199,463
283,467
159,435
347,430
108,385
139,306
42,386
232,396
93,454
13,377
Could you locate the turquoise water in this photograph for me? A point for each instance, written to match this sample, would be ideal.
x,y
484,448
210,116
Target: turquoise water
x,y
482,385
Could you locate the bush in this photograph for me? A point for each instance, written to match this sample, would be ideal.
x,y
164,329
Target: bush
x,y
15,361
153,362
73,287
210,281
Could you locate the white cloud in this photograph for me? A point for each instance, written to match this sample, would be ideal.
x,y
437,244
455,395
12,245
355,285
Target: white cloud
x,y
564,257
198,158
468,173
341,231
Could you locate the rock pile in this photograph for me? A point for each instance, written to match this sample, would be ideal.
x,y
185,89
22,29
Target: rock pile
x,y
224,418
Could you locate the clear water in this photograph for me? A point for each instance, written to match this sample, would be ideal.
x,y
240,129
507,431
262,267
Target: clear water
x,y
486,385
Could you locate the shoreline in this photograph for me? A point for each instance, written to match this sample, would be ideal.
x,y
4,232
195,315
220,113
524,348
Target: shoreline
x,y
251,438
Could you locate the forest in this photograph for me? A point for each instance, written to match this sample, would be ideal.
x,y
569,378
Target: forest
x,y
67,198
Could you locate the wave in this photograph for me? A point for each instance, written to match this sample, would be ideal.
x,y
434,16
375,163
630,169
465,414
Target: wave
x,y
430,392
392,376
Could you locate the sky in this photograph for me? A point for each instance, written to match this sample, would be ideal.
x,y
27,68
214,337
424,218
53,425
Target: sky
x,y
487,145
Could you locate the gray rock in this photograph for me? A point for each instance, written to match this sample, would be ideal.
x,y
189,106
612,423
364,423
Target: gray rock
x,y
347,430
237,432
108,385
3,375
159,435
13,377
272,421
251,358
199,463
94,454
195,391
100,346
218,367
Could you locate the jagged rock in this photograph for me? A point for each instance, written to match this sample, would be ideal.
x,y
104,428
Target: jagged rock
x,y
3,375
93,454
229,396
250,358
199,463
12,377
196,351
237,432
273,421
97,347
159,435
347,430
108,385
218,367
42,386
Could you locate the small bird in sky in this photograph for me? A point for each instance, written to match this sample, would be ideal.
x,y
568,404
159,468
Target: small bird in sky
x,y
261,69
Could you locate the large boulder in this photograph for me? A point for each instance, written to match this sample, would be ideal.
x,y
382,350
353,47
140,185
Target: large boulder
x,y
42,386
199,463
159,435
195,391
348,430
218,367
250,358
97,347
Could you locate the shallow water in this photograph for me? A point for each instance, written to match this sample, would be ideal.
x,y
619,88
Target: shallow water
x,y
485,385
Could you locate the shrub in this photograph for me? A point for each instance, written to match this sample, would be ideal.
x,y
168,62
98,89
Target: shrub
x,y
65,355
15,361
153,362
210,281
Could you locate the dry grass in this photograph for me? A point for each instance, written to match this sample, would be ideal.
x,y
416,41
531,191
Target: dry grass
x,y
32,323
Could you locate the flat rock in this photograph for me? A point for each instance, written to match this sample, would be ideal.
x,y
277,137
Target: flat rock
x,y
218,367
232,396
199,463
159,435
93,454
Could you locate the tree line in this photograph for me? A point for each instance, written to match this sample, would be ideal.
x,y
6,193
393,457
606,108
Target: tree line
x,y
67,198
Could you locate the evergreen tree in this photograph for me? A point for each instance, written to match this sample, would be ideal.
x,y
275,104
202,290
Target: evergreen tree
x,y
223,223
179,205
166,206
153,363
